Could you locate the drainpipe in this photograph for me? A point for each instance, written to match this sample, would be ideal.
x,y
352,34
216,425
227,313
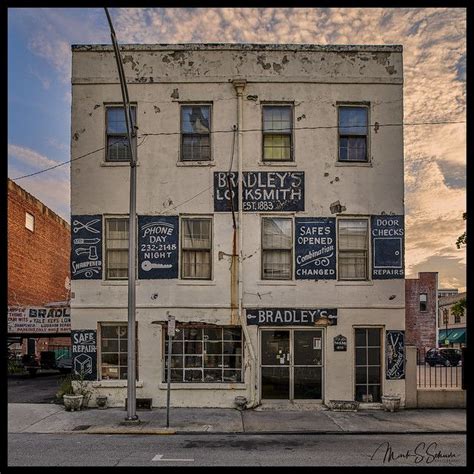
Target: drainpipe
x,y
239,85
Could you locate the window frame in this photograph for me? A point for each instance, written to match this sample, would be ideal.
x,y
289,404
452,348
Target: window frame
x,y
100,325
368,259
381,360
182,327
183,218
105,249
111,105
291,105
291,249
32,221
181,133
359,105
425,302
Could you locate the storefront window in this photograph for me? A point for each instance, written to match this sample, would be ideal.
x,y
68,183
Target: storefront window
x,y
205,354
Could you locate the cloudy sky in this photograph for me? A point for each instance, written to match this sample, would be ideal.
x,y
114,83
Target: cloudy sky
x,y
434,42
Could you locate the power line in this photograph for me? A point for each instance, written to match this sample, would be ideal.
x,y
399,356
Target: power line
x,y
145,135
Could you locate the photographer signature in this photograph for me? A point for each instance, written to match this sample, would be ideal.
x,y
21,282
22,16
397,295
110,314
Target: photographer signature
x,y
423,452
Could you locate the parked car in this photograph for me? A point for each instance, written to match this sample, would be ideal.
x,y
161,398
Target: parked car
x,y
443,356
64,364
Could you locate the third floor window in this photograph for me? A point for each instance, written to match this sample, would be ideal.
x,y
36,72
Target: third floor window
x,y
277,130
195,132
353,133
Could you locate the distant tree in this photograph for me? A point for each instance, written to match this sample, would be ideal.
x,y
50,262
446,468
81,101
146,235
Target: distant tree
x,y
458,308
462,241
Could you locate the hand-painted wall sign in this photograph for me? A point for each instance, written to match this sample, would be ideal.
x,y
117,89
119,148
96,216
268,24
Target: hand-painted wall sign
x,y
340,343
86,247
39,320
158,247
262,191
395,355
291,317
84,353
388,247
315,248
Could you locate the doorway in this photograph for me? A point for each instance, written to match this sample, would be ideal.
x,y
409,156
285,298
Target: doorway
x,y
291,366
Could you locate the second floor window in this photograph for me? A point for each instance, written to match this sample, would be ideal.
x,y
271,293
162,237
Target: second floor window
x,y
116,248
195,132
423,302
277,248
353,132
196,246
117,140
353,249
277,126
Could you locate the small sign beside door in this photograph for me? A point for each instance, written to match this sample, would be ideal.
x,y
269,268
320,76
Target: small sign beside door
x,y
340,343
395,355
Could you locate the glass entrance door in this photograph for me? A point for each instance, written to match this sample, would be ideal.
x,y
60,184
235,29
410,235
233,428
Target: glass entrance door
x,y
292,364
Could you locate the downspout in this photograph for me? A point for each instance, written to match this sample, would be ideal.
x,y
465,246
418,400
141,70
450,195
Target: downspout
x,y
239,85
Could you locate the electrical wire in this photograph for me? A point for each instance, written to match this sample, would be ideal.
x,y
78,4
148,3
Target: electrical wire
x,y
243,131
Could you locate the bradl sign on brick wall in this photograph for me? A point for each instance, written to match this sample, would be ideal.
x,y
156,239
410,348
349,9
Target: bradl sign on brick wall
x,y
39,320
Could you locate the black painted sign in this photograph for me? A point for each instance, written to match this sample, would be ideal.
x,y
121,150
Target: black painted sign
x,y
84,353
262,191
158,247
315,248
395,355
291,317
340,343
388,246
86,247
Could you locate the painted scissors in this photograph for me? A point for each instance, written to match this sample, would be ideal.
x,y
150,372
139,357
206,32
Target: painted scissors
x,y
87,225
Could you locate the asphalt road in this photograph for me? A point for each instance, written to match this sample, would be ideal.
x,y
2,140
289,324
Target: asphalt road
x,y
235,450
39,389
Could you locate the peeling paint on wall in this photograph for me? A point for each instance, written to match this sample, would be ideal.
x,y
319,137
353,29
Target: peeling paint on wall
x,y
175,94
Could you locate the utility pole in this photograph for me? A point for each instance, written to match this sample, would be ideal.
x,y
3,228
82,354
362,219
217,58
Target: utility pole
x,y
131,362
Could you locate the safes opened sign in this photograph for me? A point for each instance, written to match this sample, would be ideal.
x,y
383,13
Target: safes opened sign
x,y
262,191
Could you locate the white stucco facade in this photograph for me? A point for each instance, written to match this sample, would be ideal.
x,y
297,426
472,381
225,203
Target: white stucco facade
x,y
315,80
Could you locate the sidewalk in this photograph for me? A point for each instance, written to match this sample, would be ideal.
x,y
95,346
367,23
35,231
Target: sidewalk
x,y
49,418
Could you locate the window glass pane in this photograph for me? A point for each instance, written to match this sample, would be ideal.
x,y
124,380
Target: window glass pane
x,y
353,149
361,375
108,358
109,345
373,393
195,118
361,393
191,334
193,361
232,376
232,348
373,337
193,375
373,375
213,375
197,233
116,119
373,356
277,233
176,375
213,347
360,337
176,362
196,147
213,334
193,347
353,120
277,147
277,118
232,362
118,149
352,234
353,265
232,334
212,361
361,356
277,264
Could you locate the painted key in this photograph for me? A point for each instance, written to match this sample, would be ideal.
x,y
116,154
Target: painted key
x,y
147,265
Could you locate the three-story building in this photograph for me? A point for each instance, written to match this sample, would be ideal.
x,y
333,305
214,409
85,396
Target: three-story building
x,y
270,221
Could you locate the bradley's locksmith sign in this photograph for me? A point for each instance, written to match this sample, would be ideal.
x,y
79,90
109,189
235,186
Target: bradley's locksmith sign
x,y
291,317
39,320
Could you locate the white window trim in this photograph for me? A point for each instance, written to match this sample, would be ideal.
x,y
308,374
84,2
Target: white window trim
x,y
32,221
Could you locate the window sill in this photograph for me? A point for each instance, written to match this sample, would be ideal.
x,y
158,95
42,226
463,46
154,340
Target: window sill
x,y
118,282
277,163
203,386
197,283
117,163
354,163
354,283
114,384
276,283
195,163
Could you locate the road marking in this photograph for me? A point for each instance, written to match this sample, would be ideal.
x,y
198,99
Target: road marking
x,y
159,457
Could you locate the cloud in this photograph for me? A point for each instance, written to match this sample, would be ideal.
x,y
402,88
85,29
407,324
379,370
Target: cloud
x,y
31,158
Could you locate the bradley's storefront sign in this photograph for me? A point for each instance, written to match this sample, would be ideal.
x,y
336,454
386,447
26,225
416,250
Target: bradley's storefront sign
x,y
291,317
39,320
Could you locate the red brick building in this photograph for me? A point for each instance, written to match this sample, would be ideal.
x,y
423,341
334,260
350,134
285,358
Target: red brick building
x,y
39,243
421,309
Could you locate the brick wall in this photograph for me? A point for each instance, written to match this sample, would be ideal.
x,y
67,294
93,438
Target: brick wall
x,y
421,325
38,262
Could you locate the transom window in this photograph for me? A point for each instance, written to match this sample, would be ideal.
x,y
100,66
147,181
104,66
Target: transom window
x,y
195,132
277,130
353,249
117,139
116,248
353,132
423,302
205,354
277,248
196,246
